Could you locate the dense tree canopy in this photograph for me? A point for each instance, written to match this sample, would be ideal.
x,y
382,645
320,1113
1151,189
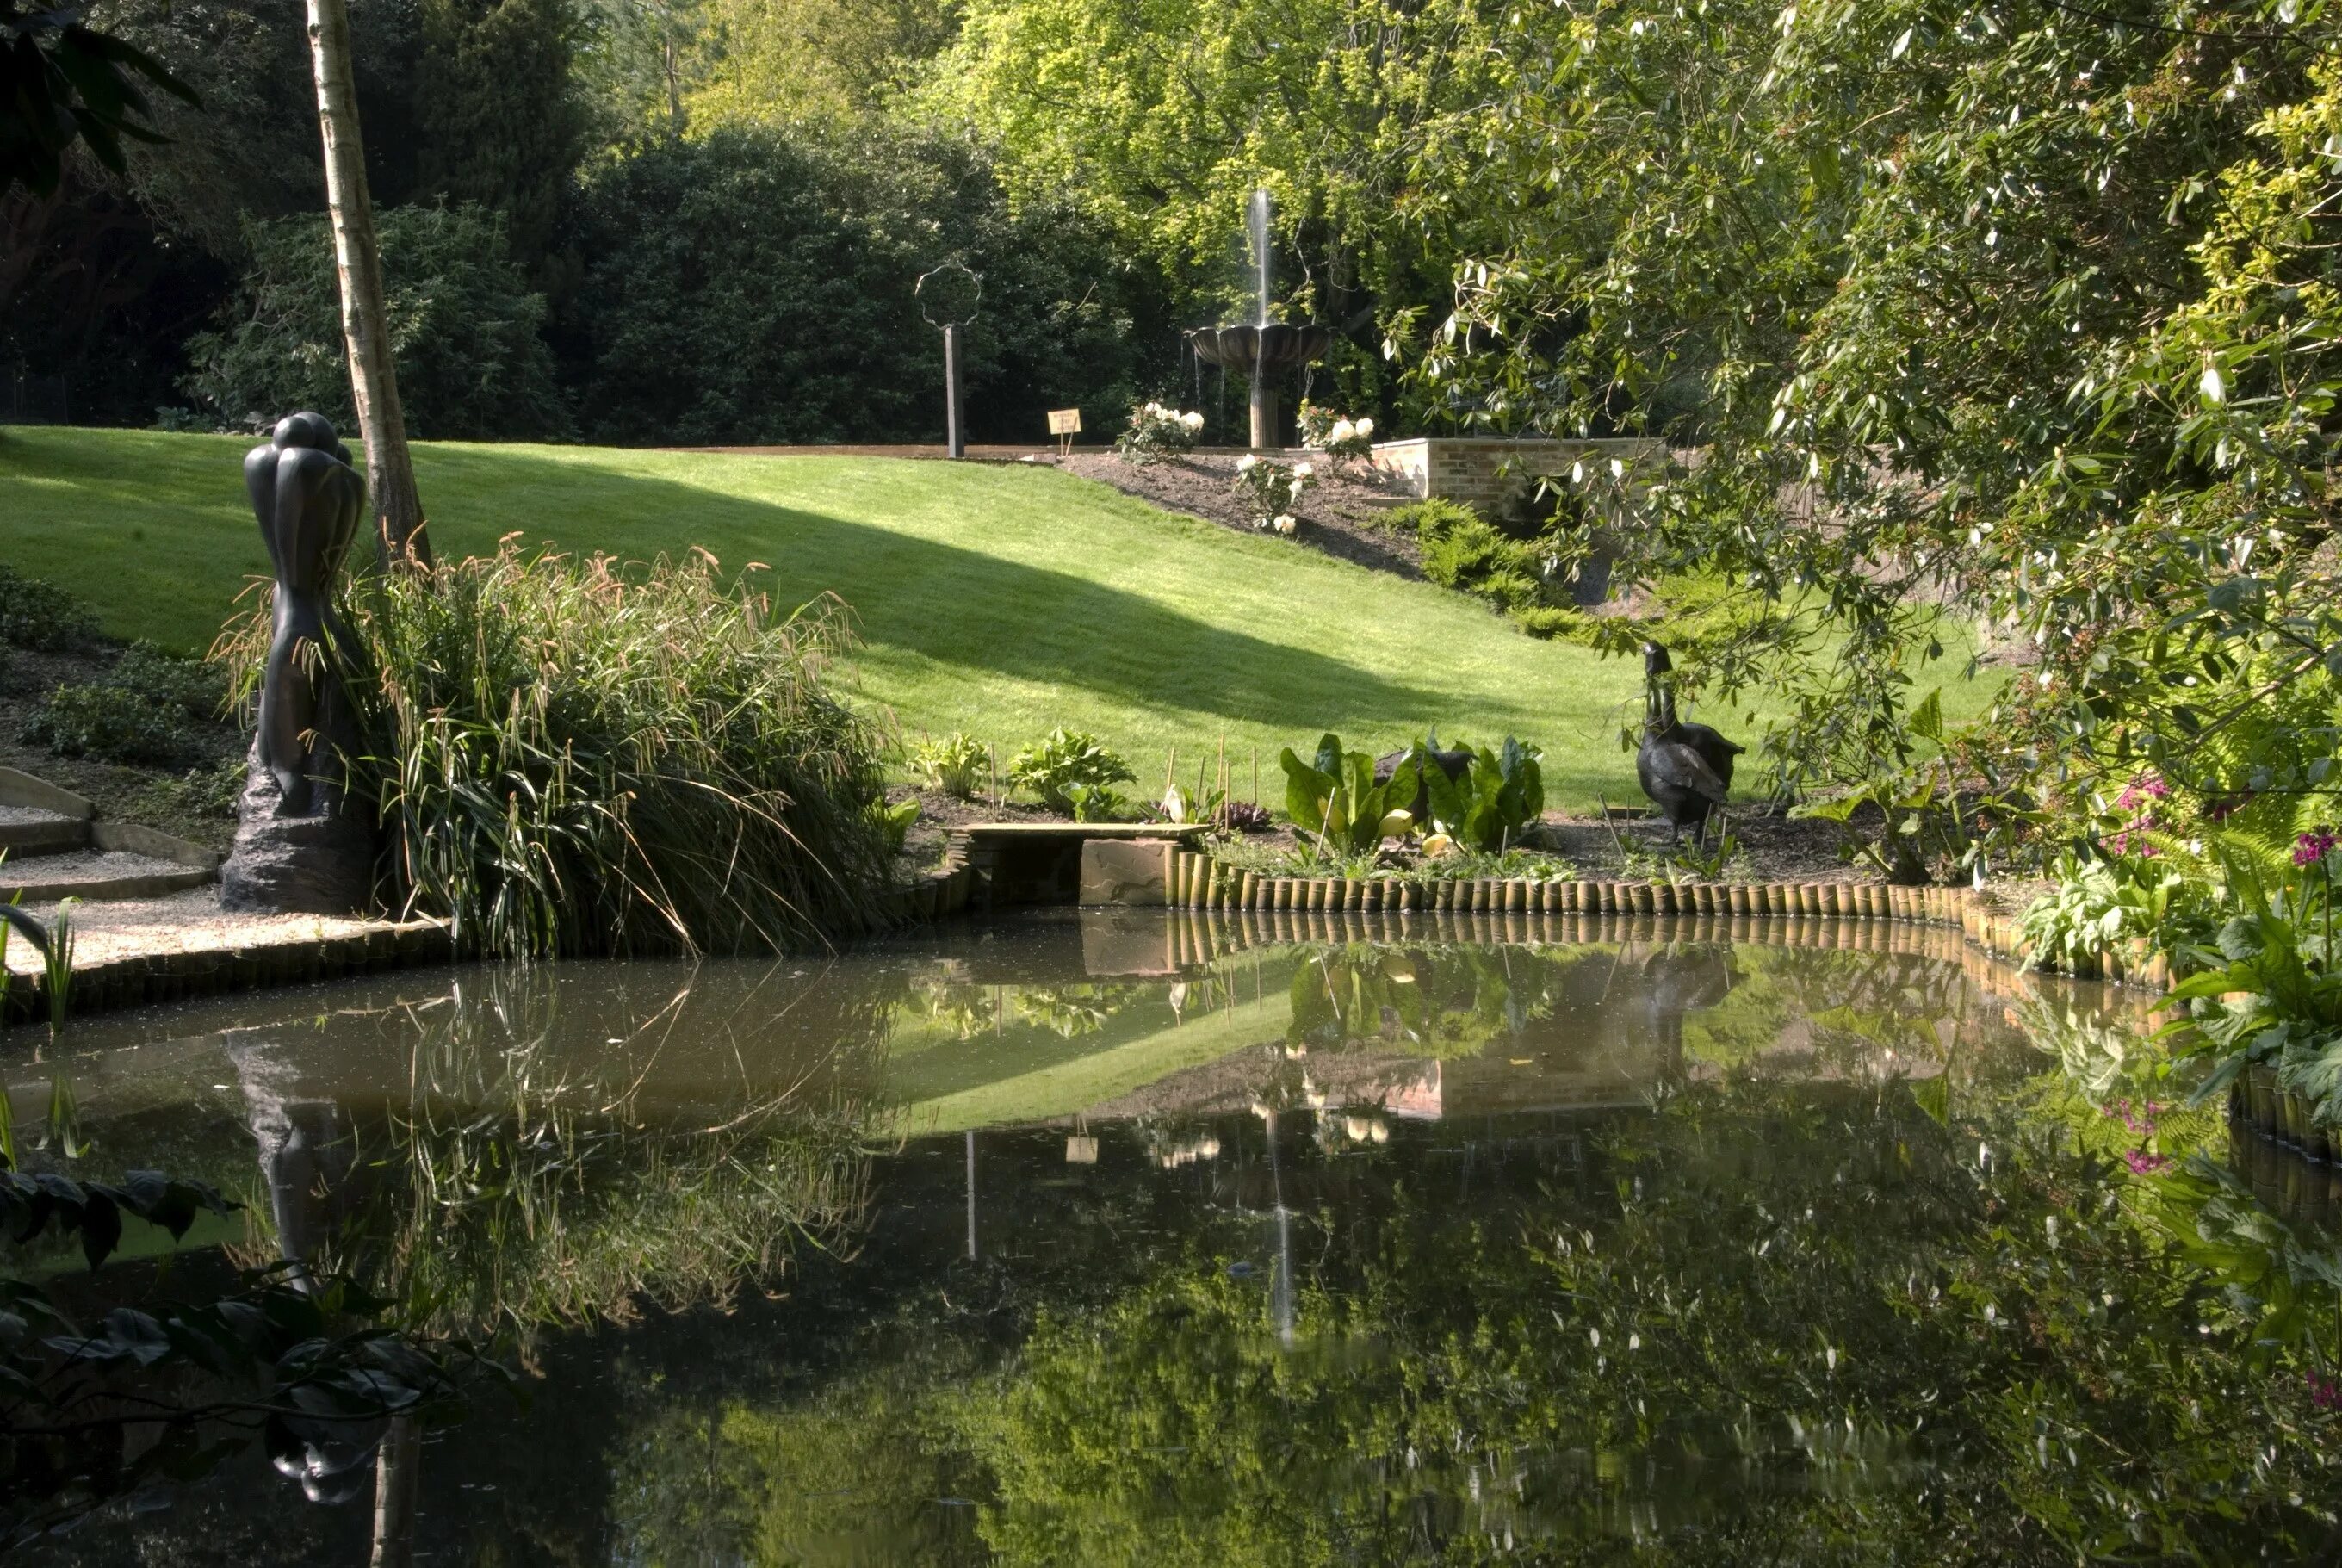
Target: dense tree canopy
x,y
1163,117
2006,302
756,286
463,326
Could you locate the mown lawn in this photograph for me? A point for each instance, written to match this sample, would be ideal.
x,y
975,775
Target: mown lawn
x,y
998,600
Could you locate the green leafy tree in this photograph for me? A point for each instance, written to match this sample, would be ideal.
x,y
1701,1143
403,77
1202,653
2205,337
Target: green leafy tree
x,y
62,85
756,287
1161,117
2007,305
496,121
464,328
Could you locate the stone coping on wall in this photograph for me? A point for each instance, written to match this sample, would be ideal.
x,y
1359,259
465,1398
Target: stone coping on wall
x,y
131,952
1487,470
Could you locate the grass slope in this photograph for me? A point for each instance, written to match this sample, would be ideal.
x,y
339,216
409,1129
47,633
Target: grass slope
x,y
998,600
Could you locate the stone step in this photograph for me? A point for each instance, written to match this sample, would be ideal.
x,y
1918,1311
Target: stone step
x,y
96,874
28,830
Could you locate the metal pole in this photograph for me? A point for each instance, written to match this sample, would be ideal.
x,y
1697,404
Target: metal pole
x,y
954,443
971,1192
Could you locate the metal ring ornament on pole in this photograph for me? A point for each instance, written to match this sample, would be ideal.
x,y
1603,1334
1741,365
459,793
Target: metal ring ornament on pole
x,y
953,285
941,295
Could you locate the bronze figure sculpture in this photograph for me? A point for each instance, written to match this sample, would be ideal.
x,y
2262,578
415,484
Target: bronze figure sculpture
x,y
294,850
307,495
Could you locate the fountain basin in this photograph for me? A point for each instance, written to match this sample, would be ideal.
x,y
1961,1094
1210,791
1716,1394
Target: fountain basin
x,y
1265,349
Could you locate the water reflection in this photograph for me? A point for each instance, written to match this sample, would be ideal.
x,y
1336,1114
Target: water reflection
x,y
1172,1241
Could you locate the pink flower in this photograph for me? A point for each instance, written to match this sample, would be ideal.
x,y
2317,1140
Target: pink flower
x,y
2143,1164
2312,847
2325,1392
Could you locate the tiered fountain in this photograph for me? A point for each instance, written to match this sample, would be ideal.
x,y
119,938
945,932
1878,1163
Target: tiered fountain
x,y
1265,349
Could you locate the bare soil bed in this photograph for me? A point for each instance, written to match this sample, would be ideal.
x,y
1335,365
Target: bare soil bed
x,y
1340,514
1773,848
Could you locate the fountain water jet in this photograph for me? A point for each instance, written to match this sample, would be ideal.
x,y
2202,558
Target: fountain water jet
x,y
1265,349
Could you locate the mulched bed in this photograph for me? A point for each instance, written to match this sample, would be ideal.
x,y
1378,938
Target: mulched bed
x,y
1341,515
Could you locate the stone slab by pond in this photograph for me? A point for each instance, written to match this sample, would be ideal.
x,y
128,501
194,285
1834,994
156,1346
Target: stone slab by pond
x,y
1132,872
130,951
1042,862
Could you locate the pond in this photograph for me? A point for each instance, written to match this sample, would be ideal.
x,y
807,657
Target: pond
x,y
1157,1238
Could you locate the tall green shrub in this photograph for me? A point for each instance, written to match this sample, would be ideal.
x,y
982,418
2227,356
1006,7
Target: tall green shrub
x,y
755,286
572,756
463,324
497,122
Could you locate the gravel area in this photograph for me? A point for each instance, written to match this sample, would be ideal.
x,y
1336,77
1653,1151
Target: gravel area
x,y
83,865
24,815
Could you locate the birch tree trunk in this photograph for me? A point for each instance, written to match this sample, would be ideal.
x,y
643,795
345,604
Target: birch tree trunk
x,y
399,534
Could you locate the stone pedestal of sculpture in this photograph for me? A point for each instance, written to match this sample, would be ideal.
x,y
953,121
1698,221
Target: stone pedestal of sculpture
x,y
297,850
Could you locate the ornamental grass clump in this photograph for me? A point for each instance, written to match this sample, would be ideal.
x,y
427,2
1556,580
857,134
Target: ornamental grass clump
x,y
576,757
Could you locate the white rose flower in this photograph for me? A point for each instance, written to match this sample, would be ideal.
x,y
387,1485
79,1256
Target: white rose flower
x,y
1344,430
1283,523
1192,421
1365,428
1245,464
1302,471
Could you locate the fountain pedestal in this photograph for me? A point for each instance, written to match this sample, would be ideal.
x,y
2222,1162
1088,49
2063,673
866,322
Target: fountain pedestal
x,y
1264,352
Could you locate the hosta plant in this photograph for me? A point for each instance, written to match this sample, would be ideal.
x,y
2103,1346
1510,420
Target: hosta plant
x,y
2099,905
1055,765
2272,982
1494,800
954,764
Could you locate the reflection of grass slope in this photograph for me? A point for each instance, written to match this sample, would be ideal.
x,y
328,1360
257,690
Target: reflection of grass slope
x,y
1099,1072
997,600
1750,1019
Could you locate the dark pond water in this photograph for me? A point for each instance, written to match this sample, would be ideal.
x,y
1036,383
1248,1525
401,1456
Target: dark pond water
x,y
1160,1240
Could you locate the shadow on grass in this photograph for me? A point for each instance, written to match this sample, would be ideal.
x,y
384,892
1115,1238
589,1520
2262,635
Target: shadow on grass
x,y
938,602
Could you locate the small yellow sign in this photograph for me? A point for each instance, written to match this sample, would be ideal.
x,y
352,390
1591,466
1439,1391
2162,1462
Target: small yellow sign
x,y
1065,422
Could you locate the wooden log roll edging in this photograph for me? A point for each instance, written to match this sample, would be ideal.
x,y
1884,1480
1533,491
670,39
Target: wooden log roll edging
x,y
1198,881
